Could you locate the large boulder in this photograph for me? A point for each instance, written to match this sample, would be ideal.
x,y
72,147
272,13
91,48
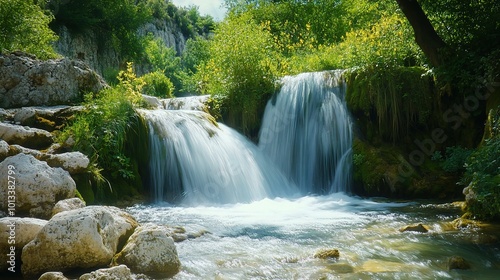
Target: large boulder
x,y
35,186
16,232
25,136
151,251
82,238
26,81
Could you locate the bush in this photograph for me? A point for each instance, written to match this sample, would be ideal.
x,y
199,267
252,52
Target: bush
x,y
242,70
100,130
24,26
482,175
455,158
157,84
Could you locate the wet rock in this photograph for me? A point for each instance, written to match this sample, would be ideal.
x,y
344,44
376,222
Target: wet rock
x,y
457,262
25,136
120,272
380,266
82,238
26,81
327,254
37,186
67,205
461,223
53,276
415,228
150,250
23,229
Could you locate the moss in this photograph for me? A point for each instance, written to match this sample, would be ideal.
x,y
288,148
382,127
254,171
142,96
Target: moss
x,y
383,171
393,99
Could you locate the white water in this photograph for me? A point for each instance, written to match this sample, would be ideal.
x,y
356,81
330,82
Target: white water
x,y
228,186
307,132
277,239
196,161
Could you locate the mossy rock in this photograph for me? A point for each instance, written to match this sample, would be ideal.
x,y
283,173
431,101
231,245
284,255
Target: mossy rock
x,y
327,254
383,170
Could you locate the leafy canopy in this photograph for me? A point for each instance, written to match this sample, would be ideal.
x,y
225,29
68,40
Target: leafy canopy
x,y
24,26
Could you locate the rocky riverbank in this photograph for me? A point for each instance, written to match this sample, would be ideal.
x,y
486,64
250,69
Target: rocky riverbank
x,y
46,229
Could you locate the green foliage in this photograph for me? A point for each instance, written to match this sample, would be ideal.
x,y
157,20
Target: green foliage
x,y
117,20
455,158
189,20
397,98
482,175
157,84
242,70
24,26
100,130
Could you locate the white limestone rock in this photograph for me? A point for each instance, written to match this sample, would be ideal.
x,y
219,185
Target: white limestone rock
x,y
37,186
151,251
67,205
26,81
81,238
73,162
120,272
16,232
25,136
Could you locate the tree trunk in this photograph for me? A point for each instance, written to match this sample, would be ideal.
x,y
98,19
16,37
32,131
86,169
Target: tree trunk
x,y
425,35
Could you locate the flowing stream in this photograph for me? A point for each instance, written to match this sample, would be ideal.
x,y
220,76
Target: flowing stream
x,y
269,208
277,239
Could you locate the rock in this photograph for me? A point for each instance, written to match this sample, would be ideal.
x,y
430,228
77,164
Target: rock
x,y
150,250
22,230
152,102
82,238
120,272
73,162
327,254
26,81
67,205
196,103
457,262
25,136
416,228
380,266
4,150
460,223
53,276
37,186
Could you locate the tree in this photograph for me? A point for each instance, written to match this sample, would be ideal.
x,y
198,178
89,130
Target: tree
x,y
24,26
425,34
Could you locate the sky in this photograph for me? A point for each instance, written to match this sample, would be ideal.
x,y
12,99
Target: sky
x,y
206,7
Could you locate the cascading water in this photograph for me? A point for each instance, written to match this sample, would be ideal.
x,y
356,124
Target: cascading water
x,y
307,132
197,161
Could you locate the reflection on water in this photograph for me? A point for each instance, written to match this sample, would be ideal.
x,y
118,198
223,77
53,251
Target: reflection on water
x,y
277,239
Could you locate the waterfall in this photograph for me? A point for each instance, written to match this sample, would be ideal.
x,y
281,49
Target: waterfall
x,y
195,160
307,132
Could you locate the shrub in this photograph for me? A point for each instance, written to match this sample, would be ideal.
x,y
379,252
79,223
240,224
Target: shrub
x,y
100,130
157,84
482,175
242,70
24,26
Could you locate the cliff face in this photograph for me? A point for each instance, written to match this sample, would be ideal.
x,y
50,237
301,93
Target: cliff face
x,y
87,45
